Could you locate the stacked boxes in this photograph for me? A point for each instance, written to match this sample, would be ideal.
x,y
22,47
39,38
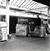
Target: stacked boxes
x,y
3,31
21,29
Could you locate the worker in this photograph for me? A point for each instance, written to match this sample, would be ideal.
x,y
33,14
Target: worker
x,y
38,21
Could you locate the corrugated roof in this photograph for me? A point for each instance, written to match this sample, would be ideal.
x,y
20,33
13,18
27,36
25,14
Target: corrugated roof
x,y
30,5
46,2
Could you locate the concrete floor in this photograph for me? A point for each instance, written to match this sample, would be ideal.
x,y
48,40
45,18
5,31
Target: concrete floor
x,y
26,44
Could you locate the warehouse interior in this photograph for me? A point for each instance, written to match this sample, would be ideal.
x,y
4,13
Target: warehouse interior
x,y
18,32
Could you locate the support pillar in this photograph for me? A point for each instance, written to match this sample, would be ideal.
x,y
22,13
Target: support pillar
x,y
7,16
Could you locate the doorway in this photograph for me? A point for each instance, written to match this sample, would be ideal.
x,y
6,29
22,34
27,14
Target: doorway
x,y
12,24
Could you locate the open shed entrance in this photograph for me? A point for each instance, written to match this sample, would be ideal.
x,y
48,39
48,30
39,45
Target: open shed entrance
x,y
12,24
